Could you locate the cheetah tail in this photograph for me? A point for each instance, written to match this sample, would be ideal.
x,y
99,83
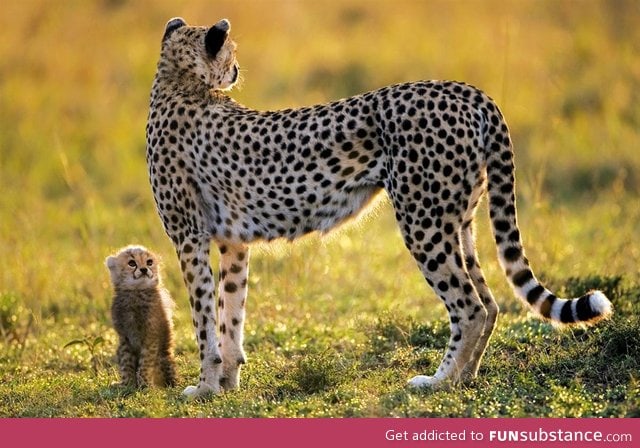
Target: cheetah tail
x,y
590,308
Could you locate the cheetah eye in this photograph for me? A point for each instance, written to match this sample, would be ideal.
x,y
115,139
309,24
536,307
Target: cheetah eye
x,y
149,263
132,263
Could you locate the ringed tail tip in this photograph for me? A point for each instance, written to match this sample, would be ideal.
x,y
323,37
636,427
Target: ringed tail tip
x,y
600,305
588,309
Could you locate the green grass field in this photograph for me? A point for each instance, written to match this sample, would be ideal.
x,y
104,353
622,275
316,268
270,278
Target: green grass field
x,y
336,326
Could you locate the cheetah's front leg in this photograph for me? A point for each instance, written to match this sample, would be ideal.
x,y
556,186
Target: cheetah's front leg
x,y
196,270
127,362
234,272
147,366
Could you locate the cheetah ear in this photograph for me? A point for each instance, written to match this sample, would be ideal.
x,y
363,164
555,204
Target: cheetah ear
x,y
110,262
172,25
216,36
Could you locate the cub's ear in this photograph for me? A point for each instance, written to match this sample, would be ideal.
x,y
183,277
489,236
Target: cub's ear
x,y
216,36
172,25
110,262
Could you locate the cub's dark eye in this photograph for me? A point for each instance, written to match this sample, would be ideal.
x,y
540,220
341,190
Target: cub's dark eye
x,y
132,263
149,263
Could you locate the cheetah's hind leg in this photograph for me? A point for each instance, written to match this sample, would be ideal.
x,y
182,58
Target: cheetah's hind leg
x,y
472,265
443,269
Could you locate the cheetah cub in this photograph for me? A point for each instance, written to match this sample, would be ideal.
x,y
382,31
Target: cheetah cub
x,y
142,316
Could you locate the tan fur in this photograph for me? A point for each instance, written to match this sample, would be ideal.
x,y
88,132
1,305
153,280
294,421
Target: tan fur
x,y
142,317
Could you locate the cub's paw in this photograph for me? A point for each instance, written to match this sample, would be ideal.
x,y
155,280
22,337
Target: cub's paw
x,y
124,384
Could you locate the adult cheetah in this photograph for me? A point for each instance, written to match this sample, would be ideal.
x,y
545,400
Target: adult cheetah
x,y
223,172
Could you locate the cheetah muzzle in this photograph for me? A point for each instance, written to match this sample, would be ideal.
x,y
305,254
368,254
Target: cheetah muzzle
x,y
223,172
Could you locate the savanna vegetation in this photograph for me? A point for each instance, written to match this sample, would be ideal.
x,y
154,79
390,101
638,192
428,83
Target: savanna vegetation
x,y
336,325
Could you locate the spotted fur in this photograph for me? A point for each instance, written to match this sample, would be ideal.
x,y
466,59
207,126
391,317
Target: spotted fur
x,y
141,314
223,172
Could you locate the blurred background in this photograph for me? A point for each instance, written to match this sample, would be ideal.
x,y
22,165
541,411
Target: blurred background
x,y
75,77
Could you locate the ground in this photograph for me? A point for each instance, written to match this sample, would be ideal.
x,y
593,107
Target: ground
x,y
327,334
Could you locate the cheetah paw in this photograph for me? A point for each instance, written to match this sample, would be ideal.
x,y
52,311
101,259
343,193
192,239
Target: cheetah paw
x,y
122,385
202,390
427,382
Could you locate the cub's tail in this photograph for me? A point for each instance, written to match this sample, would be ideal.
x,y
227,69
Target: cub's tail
x,y
591,307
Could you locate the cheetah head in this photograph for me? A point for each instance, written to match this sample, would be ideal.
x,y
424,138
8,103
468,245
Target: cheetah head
x,y
133,267
206,56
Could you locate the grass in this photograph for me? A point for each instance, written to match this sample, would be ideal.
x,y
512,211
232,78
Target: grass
x,y
335,326
531,369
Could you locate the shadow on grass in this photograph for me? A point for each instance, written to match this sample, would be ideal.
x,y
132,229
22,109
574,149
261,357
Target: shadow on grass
x,y
534,369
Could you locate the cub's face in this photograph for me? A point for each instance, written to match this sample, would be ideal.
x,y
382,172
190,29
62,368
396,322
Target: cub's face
x,y
133,267
206,55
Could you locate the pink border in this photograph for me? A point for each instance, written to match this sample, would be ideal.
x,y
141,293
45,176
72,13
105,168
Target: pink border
x,y
311,433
